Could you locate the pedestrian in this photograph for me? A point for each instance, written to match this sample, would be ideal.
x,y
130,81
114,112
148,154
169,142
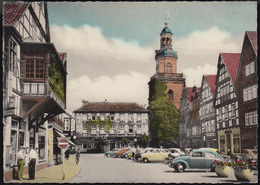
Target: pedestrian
x,y
77,156
20,163
32,163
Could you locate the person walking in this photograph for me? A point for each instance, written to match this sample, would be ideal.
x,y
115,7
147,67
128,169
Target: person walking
x,y
77,156
32,162
20,163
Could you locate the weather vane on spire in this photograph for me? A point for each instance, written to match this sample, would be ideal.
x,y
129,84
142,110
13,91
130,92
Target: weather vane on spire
x,y
166,19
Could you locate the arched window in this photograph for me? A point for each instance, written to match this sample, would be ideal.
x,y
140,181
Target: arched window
x,y
170,95
169,67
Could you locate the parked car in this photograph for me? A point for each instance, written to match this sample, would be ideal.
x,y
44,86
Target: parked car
x,y
187,151
198,159
174,153
112,152
126,154
249,154
156,155
120,152
212,149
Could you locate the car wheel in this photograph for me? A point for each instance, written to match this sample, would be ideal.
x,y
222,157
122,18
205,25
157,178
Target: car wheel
x,y
165,161
180,167
145,160
108,155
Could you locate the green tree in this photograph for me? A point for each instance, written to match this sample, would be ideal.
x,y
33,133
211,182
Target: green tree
x,y
165,116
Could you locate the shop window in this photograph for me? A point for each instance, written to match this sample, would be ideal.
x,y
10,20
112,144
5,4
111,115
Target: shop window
x,y
41,140
222,145
236,144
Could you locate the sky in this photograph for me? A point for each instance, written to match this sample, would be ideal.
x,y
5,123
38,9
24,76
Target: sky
x,y
111,45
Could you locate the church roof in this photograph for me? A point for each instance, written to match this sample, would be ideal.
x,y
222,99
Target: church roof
x,y
252,35
166,30
231,61
211,80
107,107
12,11
165,53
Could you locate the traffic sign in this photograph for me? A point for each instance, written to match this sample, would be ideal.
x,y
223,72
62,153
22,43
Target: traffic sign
x,y
63,142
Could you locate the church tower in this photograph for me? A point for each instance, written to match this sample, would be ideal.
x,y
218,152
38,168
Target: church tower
x,y
166,70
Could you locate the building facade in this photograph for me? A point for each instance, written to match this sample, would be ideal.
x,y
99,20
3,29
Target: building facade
x,y
102,126
207,112
226,105
184,117
246,88
193,127
34,83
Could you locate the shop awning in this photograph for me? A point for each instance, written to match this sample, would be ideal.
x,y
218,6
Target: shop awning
x,y
70,142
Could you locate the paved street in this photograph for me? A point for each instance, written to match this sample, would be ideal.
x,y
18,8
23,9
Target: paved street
x,y
96,168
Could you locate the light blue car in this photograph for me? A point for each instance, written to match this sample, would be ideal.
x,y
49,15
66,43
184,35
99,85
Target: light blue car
x,y
197,159
112,152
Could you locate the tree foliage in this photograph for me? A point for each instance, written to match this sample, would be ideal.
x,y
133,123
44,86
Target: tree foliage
x,y
165,117
99,122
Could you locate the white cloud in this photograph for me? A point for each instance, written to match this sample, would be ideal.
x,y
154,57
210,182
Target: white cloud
x,y
102,68
91,53
198,52
120,88
194,75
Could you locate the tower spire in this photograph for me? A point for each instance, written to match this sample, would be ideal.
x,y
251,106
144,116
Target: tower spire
x,y
166,19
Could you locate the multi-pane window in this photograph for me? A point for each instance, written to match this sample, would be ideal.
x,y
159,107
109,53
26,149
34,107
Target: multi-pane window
x,y
251,118
233,109
250,93
34,67
13,56
250,68
226,111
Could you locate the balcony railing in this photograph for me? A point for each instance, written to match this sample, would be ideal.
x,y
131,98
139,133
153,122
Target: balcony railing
x,y
34,88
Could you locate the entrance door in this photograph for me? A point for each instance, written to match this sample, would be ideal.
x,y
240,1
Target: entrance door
x,y
228,144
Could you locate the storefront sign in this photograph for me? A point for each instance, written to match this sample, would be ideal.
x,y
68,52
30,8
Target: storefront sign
x,y
210,134
228,131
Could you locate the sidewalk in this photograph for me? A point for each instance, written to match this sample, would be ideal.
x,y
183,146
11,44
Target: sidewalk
x,y
54,174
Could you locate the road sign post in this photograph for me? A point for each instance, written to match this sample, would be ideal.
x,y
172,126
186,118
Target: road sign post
x,y
63,143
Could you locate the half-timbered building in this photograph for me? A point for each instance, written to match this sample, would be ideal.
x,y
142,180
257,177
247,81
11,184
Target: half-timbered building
x,y
226,104
207,111
34,83
246,89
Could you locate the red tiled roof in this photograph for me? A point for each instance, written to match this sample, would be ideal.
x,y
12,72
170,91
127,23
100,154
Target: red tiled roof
x,y
12,11
111,107
189,93
252,35
231,61
211,80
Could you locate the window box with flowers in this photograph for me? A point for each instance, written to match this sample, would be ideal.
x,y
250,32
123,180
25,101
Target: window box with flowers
x,y
223,168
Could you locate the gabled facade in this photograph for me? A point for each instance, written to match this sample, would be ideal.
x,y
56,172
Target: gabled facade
x,y
193,127
106,125
207,111
184,116
34,83
226,104
246,88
